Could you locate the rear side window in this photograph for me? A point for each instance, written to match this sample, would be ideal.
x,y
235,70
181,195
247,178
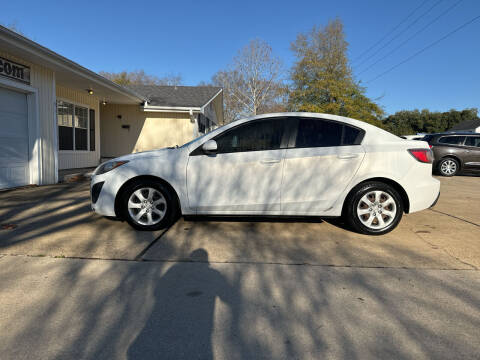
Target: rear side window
x,y
351,135
452,140
324,133
254,136
473,141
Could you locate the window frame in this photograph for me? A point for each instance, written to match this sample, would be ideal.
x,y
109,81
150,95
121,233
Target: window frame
x,y
293,137
283,142
75,104
453,136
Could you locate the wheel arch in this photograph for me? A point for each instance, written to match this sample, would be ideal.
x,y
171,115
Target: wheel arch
x,y
399,188
453,156
132,180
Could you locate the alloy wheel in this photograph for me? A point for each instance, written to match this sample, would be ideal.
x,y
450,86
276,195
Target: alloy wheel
x,y
376,209
448,167
147,206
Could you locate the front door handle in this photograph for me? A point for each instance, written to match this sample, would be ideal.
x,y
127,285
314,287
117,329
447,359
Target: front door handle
x,y
347,156
270,161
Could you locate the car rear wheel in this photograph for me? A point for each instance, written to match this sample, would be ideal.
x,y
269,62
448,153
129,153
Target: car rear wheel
x,y
374,208
148,205
448,167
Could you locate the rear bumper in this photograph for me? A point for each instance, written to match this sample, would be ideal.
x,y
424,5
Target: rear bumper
x,y
436,200
423,195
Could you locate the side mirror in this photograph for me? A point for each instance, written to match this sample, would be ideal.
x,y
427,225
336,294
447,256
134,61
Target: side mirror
x,y
210,147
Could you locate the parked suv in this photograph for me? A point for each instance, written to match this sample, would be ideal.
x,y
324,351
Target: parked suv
x,y
455,152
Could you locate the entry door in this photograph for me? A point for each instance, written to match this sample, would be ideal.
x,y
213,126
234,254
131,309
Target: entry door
x,y
472,153
319,165
245,174
13,139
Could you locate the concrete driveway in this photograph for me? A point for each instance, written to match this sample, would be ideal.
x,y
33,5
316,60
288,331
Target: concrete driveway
x,y
56,220
237,289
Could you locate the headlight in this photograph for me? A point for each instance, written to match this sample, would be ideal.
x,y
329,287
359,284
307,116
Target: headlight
x,y
108,166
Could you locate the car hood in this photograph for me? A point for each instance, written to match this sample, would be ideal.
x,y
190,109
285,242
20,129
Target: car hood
x,y
148,154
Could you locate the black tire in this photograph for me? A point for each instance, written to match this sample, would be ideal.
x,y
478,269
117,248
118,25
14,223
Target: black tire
x,y
171,208
387,193
448,167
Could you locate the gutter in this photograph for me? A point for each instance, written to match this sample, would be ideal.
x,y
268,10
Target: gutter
x,y
179,109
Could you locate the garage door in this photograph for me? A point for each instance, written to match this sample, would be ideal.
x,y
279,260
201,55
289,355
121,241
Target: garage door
x,y
13,139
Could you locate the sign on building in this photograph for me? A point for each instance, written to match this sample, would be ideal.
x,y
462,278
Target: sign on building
x,y
15,71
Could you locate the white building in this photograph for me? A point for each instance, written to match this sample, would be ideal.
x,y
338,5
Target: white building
x,y
51,113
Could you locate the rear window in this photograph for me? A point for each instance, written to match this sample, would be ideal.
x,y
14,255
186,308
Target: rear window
x,y
325,133
452,140
473,141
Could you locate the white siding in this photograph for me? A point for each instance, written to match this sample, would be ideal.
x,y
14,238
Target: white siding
x,y
80,159
44,81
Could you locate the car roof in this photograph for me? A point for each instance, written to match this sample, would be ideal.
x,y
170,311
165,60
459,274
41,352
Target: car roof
x,y
373,134
461,133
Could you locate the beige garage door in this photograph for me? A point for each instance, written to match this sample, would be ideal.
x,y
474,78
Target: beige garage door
x,y
13,139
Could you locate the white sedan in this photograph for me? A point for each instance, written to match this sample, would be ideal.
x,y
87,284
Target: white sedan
x,y
285,164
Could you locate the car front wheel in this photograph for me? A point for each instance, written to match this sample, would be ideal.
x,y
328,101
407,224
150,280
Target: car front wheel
x,y
374,208
148,205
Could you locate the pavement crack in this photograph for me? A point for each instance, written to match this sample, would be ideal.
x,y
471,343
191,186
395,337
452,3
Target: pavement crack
x,y
436,247
455,217
139,256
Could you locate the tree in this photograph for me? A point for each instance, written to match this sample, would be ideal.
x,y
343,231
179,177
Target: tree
x,y
415,121
252,83
140,77
322,79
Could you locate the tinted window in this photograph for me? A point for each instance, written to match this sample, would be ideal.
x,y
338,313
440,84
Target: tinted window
x,y
255,136
318,133
473,141
323,133
452,140
351,135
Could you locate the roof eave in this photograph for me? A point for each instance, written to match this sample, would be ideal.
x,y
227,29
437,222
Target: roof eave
x,y
62,62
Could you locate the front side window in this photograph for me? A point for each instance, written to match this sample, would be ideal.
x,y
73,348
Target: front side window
x,y
473,141
254,136
73,126
452,140
324,133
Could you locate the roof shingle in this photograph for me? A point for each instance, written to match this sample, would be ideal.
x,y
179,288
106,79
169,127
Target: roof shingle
x,y
176,96
467,125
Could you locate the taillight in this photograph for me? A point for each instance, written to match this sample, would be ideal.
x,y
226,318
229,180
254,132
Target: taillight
x,y
422,155
431,146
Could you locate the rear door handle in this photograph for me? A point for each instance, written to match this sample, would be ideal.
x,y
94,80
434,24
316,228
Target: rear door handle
x,y
347,156
270,161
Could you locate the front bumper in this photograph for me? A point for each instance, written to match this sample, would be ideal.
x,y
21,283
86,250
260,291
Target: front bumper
x,y
105,202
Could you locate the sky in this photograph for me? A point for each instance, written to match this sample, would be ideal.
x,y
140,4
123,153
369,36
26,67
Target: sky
x,y
198,38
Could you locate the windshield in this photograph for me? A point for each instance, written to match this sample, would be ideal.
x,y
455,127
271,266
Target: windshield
x,y
192,141
198,138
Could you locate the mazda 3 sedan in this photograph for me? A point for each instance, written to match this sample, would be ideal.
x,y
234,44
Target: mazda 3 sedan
x,y
285,164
